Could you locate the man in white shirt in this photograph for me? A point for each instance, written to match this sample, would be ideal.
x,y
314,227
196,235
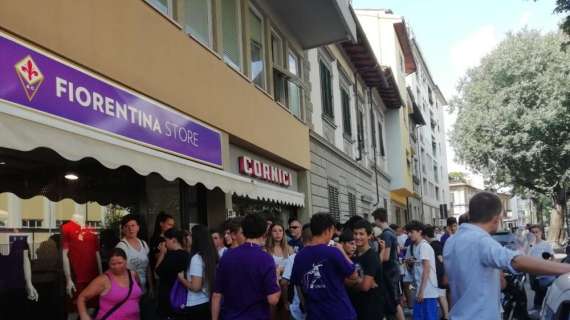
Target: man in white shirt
x,y
422,260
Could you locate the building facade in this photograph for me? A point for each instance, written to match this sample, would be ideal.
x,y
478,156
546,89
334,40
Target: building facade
x,y
461,193
391,44
198,109
348,148
431,154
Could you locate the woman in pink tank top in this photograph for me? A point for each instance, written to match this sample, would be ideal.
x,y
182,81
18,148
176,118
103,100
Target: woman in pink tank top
x,y
112,288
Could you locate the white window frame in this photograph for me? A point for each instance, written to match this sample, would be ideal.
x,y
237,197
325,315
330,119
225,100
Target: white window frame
x,y
258,14
239,31
276,35
169,7
210,42
298,58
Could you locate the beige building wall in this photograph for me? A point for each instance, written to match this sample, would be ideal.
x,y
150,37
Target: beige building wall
x,y
33,208
128,41
3,208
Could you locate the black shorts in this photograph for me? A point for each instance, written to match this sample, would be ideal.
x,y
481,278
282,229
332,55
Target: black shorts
x,y
392,295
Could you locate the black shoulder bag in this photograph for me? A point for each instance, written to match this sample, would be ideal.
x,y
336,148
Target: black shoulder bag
x,y
120,303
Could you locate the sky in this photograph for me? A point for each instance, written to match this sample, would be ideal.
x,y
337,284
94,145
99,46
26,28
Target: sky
x,y
455,34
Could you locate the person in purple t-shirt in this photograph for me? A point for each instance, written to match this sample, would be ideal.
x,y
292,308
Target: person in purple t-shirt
x,y
246,277
451,229
319,272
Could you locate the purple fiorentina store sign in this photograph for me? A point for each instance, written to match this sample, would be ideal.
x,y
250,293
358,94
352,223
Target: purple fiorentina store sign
x,y
37,81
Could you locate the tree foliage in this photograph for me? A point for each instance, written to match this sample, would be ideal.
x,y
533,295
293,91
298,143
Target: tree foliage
x,y
513,121
563,6
456,176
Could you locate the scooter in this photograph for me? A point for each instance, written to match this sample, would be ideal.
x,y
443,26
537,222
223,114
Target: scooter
x,y
556,303
514,301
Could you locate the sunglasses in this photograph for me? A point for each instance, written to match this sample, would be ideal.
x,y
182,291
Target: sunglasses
x,y
294,227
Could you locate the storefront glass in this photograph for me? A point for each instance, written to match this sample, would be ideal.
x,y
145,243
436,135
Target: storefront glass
x,y
41,194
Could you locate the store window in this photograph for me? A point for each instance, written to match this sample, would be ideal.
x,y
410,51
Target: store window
x,y
270,210
346,119
231,32
39,204
326,90
256,48
197,20
351,204
334,207
164,6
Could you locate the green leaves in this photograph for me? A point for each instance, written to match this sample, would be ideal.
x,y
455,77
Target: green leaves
x,y
513,119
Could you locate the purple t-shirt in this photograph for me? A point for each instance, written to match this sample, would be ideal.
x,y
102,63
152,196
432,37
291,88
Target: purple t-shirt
x,y
245,276
320,271
444,238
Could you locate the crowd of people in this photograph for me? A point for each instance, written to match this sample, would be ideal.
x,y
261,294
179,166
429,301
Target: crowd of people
x,y
256,268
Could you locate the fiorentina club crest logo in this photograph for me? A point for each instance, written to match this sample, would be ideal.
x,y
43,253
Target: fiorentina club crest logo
x,y
30,76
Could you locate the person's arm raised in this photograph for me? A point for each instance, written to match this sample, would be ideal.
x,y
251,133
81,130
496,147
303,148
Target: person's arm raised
x,y
539,266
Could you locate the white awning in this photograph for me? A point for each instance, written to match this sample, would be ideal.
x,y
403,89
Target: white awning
x,y
25,130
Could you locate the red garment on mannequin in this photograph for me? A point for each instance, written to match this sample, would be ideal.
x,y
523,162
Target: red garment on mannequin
x,y
82,244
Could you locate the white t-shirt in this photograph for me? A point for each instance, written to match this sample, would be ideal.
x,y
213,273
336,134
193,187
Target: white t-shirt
x,y
295,307
422,252
221,251
537,249
137,260
279,261
196,269
402,240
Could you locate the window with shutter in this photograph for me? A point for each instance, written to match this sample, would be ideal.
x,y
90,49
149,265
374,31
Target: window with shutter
x,y
351,204
381,139
360,133
334,207
326,90
372,129
346,121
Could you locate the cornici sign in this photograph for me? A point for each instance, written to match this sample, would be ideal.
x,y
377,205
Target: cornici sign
x,y
264,171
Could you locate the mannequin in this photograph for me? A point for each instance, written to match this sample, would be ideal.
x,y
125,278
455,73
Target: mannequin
x,y
81,257
16,279
31,292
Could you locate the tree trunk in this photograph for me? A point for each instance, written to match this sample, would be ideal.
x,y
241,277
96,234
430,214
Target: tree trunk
x,y
555,233
539,208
